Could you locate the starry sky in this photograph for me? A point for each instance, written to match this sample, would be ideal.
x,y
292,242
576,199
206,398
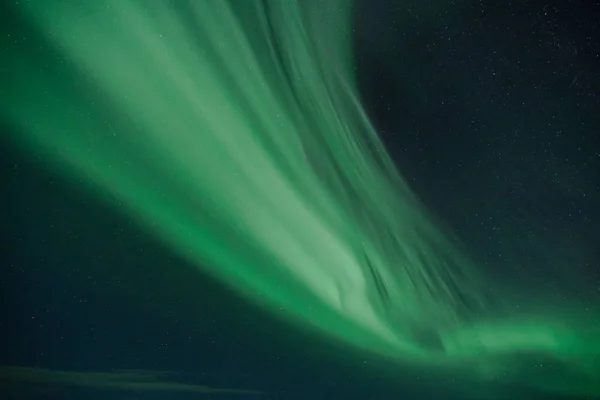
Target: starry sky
x,y
490,109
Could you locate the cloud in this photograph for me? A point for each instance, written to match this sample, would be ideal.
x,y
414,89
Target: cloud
x,y
120,380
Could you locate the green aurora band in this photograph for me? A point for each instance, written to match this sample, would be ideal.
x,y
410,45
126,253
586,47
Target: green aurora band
x,y
234,131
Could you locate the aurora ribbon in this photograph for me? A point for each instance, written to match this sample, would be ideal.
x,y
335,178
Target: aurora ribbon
x,y
234,131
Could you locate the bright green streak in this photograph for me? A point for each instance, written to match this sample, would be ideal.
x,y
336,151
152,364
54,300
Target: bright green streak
x,y
234,131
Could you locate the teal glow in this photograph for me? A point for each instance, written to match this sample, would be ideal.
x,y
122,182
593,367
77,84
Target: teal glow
x,y
234,131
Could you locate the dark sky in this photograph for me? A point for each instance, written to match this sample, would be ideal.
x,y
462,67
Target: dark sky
x,y
492,112
491,109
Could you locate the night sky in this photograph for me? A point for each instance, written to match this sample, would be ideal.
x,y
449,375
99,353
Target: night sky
x,y
490,109
492,112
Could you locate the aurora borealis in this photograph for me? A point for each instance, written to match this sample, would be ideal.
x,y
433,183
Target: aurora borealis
x,y
234,131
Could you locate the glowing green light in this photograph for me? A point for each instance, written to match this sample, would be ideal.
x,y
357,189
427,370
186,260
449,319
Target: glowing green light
x,y
234,131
